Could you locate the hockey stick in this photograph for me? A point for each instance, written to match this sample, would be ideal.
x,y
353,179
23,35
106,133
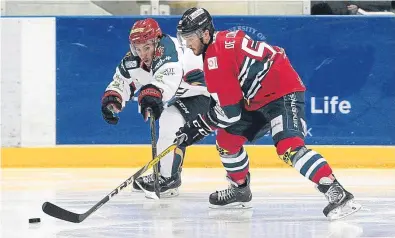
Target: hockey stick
x,y
156,194
60,213
154,152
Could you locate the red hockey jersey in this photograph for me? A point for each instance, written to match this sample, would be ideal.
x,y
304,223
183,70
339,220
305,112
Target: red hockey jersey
x,y
238,68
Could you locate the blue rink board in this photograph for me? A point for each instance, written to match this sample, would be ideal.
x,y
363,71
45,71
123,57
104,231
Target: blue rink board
x,y
352,58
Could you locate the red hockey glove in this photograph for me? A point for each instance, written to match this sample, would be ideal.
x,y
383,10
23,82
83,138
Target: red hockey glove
x,y
151,97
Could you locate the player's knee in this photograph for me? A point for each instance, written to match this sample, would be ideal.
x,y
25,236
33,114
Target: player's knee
x,y
229,144
290,149
170,122
227,150
233,156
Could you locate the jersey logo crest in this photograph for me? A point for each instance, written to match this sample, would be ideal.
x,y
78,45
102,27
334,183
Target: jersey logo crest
x,y
159,52
212,63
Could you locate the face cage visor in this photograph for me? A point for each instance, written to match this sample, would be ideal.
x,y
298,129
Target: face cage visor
x,y
133,47
182,37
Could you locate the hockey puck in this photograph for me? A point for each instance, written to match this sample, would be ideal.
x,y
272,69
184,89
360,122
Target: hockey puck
x,y
34,220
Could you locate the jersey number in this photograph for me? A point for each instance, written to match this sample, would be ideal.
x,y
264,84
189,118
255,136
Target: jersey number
x,y
253,51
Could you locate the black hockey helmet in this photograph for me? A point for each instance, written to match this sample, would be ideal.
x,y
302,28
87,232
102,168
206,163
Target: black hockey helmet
x,y
195,21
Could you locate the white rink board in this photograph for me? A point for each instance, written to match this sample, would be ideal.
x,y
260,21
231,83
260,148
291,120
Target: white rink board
x,y
28,78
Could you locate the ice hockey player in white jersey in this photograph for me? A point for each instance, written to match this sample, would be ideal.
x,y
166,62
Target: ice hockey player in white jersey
x,y
170,81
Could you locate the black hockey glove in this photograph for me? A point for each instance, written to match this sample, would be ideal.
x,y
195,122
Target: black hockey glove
x,y
111,103
151,97
193,131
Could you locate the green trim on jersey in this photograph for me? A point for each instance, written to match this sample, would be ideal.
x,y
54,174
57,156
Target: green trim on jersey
x,y
164,53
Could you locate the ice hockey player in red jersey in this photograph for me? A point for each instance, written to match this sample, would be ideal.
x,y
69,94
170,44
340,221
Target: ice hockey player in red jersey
x,y
254,89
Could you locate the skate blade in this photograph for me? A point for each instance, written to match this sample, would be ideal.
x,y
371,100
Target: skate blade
x,y
347,209
235,205
147,193
170,193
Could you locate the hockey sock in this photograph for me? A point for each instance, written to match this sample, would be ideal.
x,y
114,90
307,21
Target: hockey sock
x,y
178,159
236,165
308,162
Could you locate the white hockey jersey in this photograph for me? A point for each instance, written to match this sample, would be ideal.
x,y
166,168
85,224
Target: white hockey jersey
x,y
175,70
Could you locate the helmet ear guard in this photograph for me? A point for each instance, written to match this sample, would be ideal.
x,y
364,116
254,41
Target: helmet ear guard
x,y
133,50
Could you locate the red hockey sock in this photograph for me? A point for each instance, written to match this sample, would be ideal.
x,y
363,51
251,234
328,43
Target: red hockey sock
x,y
324,171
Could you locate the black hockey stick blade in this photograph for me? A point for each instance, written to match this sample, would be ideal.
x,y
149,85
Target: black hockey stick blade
x,y
60,213
63,214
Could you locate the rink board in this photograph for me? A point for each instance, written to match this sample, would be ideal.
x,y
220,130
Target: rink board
x,y
196,156
343,60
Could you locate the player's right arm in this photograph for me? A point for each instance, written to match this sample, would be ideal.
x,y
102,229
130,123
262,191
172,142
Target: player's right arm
x,y
120,89
226,101
221,74
223,84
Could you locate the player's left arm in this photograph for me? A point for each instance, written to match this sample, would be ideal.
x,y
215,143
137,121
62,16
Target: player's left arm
x,y
225,108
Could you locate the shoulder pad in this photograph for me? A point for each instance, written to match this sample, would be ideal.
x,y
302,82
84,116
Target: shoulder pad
x,y
165,52
128,62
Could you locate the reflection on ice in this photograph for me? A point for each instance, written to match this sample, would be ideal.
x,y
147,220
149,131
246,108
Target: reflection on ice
x,y
344,229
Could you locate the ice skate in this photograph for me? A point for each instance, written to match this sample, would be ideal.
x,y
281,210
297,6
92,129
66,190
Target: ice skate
x,y
235,196
168,186
341,202
142,181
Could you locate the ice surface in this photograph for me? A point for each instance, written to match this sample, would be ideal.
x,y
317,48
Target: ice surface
x,y
284,205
